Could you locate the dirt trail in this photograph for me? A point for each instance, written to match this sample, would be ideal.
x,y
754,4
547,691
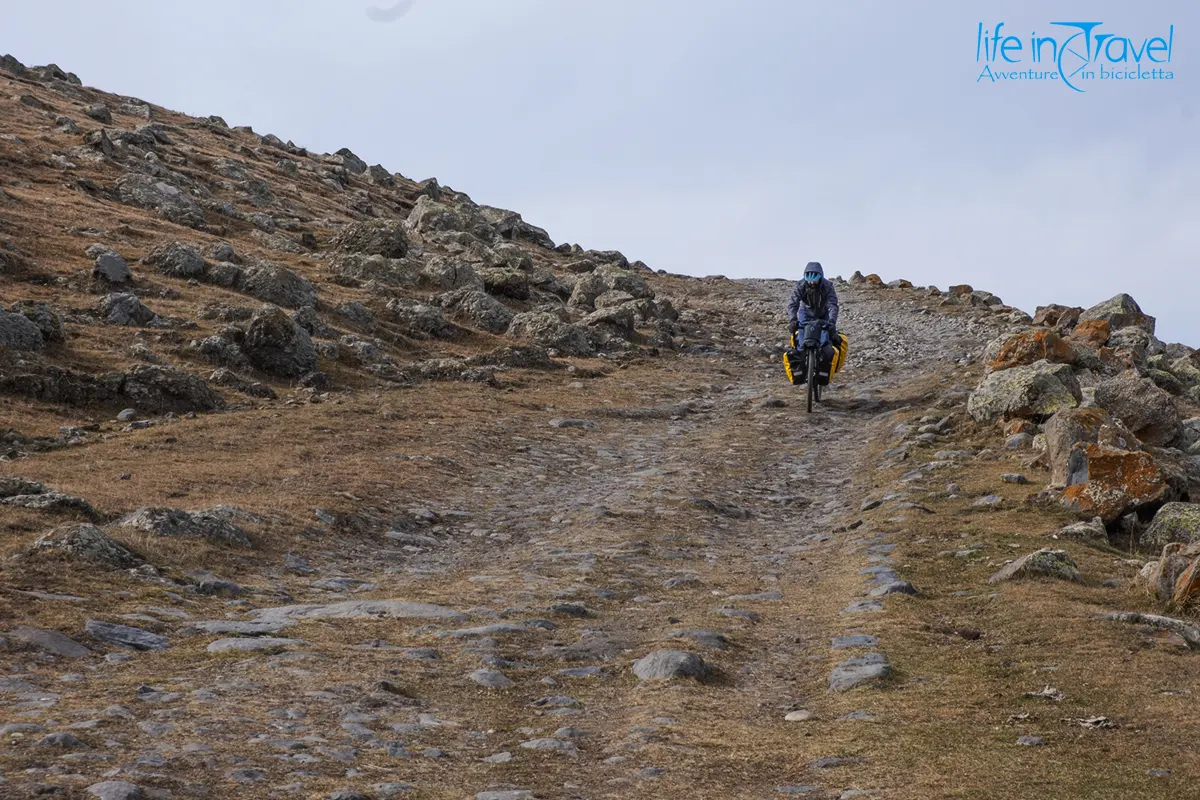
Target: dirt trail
x,y
698,516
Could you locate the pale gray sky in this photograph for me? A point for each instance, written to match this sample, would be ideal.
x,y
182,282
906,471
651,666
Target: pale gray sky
x,y
740,137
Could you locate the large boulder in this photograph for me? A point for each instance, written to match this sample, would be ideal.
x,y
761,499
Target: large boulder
x,y
1034,391
479,308
1132,339
374,237
448,273
1174,522
217,525
1119,312
1146,409
275,344
506,282
157,195
1064,318
405,272
1068,431
549,331
177,260
1174,577
44,317
587,288
621,279
1111,483
1042,563
17,332
125,309
418,319
429,217
161,389
85,543
278,285
1031,346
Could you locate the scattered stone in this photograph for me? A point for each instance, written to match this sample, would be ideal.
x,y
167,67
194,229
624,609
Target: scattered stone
x,y
50,641
1031,741
253,644
125,636
802,715
552,745
491,679
115,790
669,665
858,671
1045,562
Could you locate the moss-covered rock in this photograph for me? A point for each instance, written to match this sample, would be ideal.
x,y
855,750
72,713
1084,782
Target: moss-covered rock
x,y
1174,522
1033,391
1042,563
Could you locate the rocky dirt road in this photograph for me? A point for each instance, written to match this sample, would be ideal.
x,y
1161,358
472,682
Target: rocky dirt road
x,y
690,517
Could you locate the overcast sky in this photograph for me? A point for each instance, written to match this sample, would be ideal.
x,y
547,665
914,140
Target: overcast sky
x,y
735,137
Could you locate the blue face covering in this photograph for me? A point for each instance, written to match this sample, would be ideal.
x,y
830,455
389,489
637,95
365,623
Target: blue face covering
x,y
812,277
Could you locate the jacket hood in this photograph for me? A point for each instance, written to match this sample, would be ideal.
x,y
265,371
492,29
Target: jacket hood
x,y
815,266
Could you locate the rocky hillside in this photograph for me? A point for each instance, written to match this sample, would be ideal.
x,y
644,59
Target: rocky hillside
x,y
317,481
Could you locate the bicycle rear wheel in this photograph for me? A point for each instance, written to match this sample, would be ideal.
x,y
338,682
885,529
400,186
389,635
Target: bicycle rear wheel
x,y
812,378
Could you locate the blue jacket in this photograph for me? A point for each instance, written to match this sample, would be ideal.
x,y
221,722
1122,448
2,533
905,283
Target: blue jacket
x,y
817,303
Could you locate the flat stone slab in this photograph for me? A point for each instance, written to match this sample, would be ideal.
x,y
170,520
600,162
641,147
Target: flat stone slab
x,y
892,587
16,686
253,644
863,607
499,629
552,745
856,671
855,640
126,636
50,641
664,665
761,596
361,609
491,679
228,626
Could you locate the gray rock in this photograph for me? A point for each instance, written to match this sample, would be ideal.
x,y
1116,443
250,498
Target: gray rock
x,y
214,525
553,746
360,609
279,285
50,641
115,790
1031,741
158,195
419,319
177,260
549,331
390,791
165,389
858,671
16,686
211,585
1037,390
253,644
670,665
582,424
1045,562
892,587
86,543
228,626
517,794
1147,410
385,238
126,636
43,315
681,582
1093,532
1174,522
1120,312
123,309
64,741
18,333
275,344
491,679
482,631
